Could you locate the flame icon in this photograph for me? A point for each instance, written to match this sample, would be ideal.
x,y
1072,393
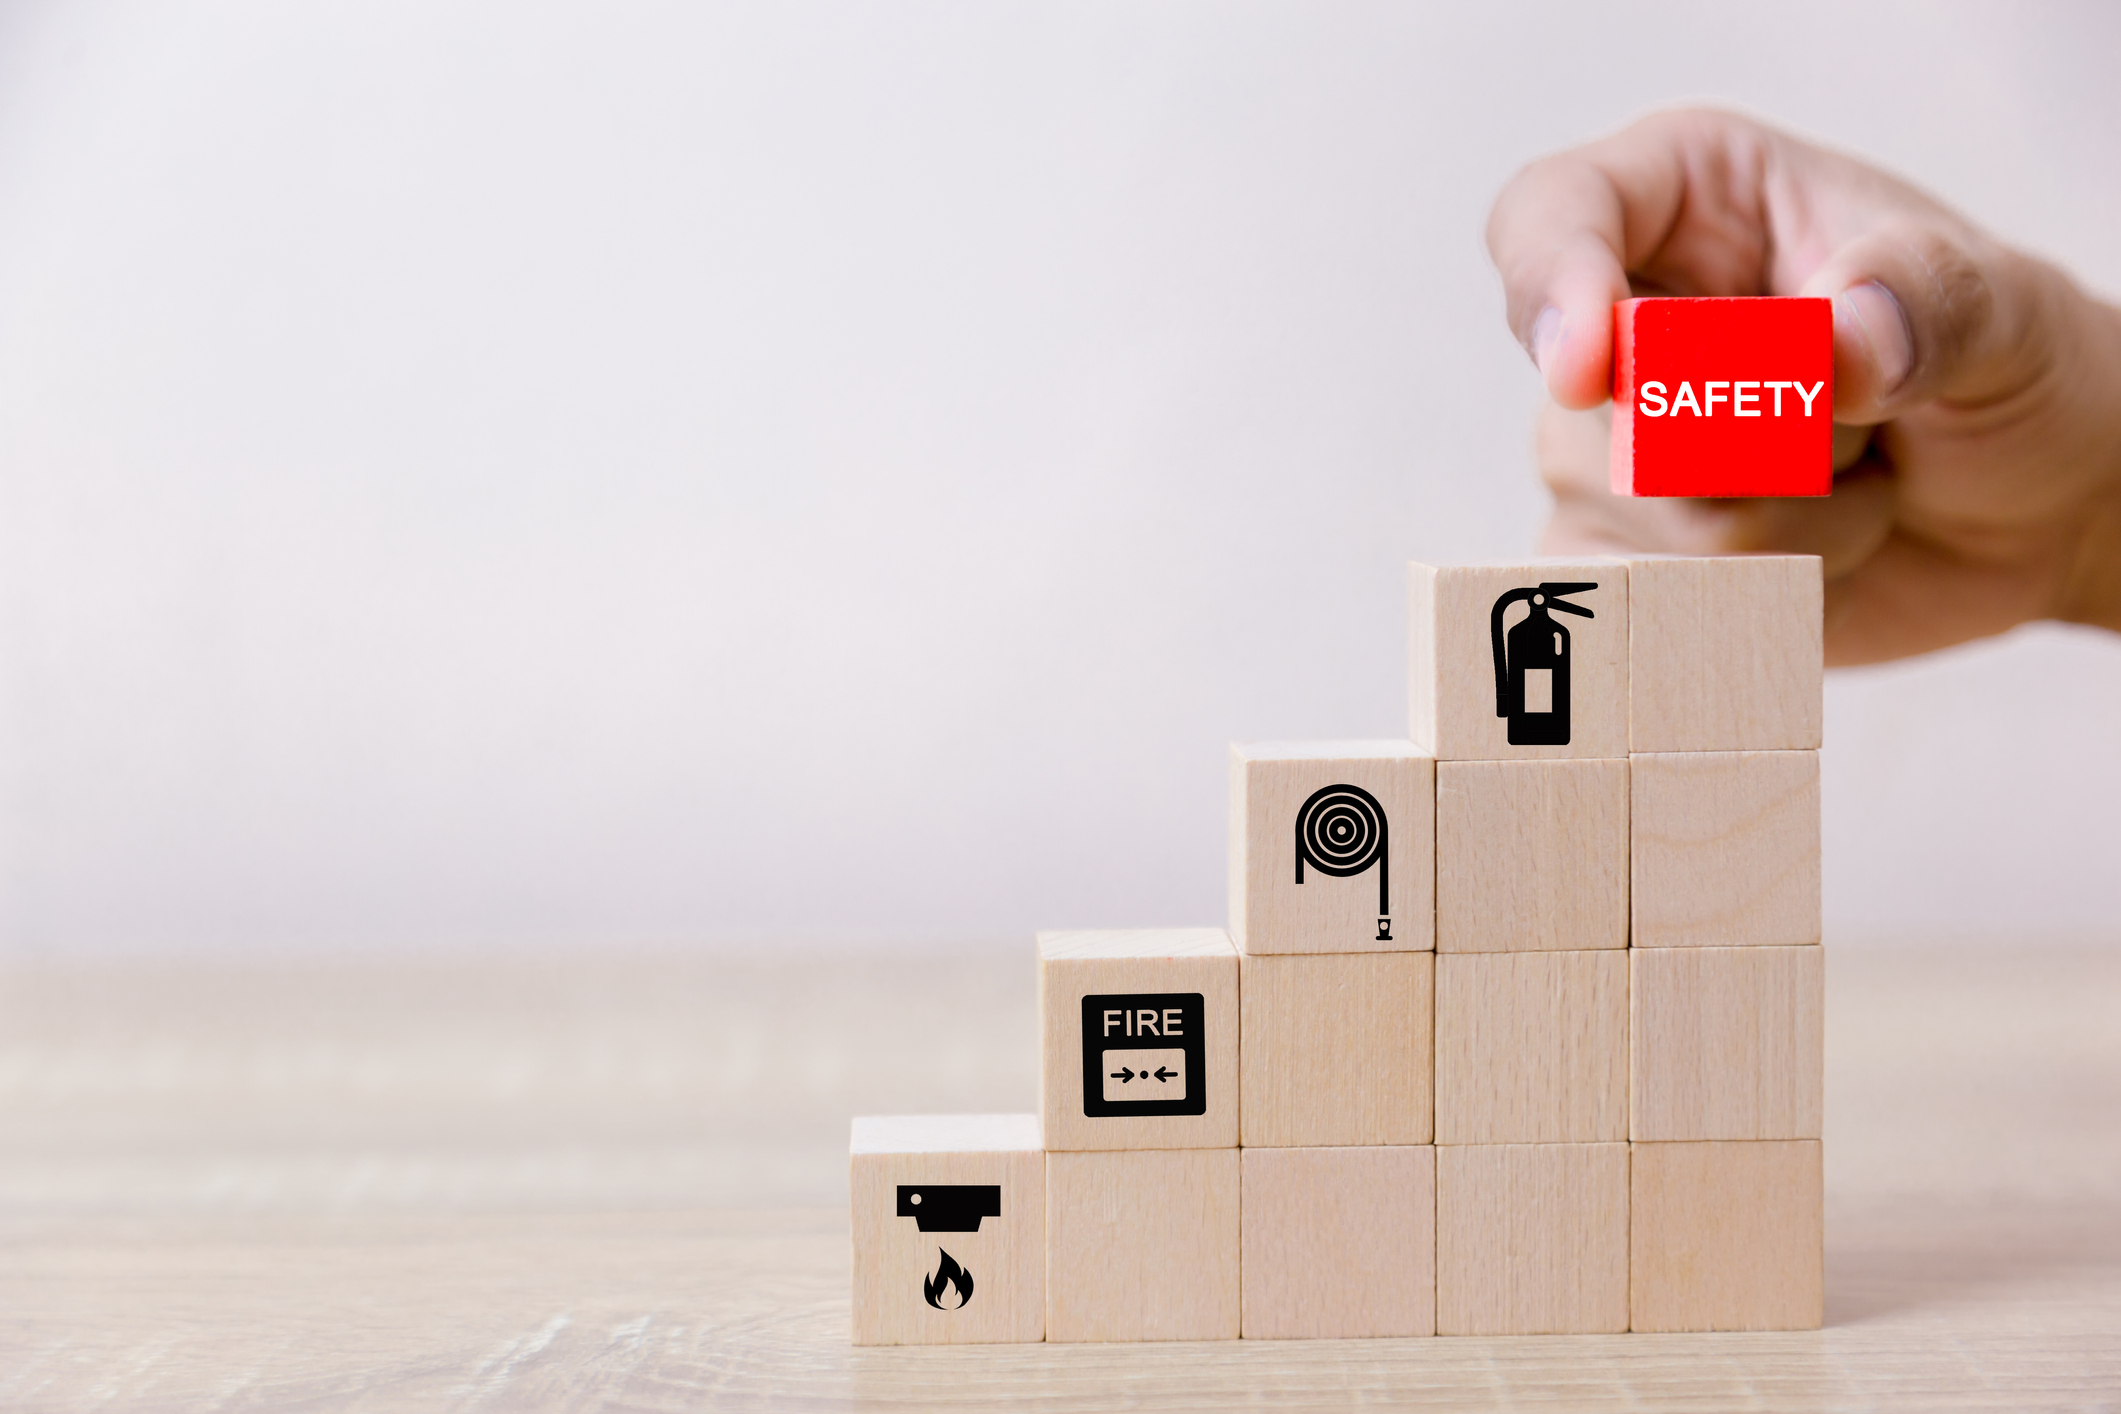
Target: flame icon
x,y
948,1275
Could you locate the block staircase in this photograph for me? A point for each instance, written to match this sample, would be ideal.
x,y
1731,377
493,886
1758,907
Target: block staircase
x,y
1515,1028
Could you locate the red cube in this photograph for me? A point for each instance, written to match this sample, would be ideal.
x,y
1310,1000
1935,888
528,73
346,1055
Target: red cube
x,y
1723,397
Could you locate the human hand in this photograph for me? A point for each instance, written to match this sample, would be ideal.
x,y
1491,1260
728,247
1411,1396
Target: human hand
x,y
1977,391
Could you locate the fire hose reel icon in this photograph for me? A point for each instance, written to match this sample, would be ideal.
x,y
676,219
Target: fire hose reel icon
x,y
1341,831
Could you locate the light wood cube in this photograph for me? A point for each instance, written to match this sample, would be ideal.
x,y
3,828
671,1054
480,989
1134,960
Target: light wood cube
x,y
1727,1237
1138,1039
1339,1243
1726,849
1725,654
1336,1048
1726,1043
1518,661
1531,1048
1531,855
1142,1244
1332,847
1531,1239
949,1229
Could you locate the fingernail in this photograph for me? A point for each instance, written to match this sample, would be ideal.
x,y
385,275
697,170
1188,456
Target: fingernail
x,y
1546,337
1869,313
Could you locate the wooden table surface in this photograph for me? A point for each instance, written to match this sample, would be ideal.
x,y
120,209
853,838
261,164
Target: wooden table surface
x,y
617,1182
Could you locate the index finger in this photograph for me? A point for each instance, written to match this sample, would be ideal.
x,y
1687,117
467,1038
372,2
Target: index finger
x,y
1566,231
1556,236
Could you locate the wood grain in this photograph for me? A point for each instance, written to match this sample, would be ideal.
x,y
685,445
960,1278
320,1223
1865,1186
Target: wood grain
x,y
1727,1237
1531,855
1726,849
1142,1244
1005,1252
1531,1048
1339,1242
1726,1043
1337,1049
1270,912
486,1182
1074,965
1725,653
1531,1239
1450,664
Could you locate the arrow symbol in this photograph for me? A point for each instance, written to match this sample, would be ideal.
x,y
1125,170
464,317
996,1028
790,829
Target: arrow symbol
x,y
1123,1075
1162,1074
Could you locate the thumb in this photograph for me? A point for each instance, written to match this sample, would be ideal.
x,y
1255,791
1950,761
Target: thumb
x,y
1920,312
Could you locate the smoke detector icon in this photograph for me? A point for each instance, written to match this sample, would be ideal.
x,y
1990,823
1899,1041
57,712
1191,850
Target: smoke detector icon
x,y
949,1207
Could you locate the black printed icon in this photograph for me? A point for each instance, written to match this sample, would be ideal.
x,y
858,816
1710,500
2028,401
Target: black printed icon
x,y
1532,664
949,1207
1341,831
949,1277
1161,1075
1144,1054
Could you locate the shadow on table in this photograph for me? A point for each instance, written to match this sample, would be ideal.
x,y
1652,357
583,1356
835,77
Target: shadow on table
x,y
1915,1256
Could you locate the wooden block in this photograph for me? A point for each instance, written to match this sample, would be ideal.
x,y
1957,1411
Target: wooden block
x,y
1531,1048
1332,847
1727,1237
1138,1039
1336,1048
1531,1239
1726,654
1142,1244
1518,661
1531,855
1726,849
1725,1043
949,1229
1339,1243
1723,397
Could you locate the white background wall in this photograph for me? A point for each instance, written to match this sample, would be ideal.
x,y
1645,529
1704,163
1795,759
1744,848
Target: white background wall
x,y
513,473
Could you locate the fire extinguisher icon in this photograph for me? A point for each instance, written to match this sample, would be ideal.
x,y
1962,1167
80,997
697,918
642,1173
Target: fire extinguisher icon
x,y
1532,664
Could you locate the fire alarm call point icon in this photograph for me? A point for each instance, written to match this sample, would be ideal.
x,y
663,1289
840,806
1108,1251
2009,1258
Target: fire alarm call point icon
x,y
1144,1054
1532,663
1341,831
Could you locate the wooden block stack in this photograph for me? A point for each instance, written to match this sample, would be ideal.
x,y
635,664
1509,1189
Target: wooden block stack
x,y
1138,1037
1332,904
1515,1028
1725,990
1519,686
